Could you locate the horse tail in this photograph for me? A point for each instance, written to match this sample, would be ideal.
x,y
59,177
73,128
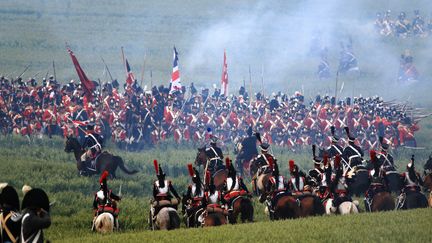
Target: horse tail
x,y
104,223
174,220
123,167
246,209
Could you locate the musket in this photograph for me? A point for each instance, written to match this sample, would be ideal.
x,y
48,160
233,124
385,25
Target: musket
x,y
55,76
46,75
143,68
26,68
106,66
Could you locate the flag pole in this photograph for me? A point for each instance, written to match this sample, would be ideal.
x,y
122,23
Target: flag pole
x,y
250,83
336,88
124,63
143,68
262,78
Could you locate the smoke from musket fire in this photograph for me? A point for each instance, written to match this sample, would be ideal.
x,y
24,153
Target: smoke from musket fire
x,y
282,44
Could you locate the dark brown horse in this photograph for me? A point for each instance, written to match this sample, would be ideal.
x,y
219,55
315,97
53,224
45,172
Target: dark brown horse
x,y
218,172
310,205
105,161
427,183
242,206
382,201
214,219
285,208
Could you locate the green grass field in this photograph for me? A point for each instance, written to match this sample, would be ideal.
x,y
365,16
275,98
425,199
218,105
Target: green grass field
x,y
44,164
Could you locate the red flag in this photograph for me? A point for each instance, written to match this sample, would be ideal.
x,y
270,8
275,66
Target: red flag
x,y
224,80
130,78
87,85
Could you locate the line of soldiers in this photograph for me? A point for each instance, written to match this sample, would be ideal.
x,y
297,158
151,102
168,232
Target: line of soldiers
x,y
25,222
135,119
402,27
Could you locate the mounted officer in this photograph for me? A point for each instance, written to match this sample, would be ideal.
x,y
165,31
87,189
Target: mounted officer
x,y
377,181
234,186
248,150
214,155
352,153
92,145
192,201
163,193
105,201
335,148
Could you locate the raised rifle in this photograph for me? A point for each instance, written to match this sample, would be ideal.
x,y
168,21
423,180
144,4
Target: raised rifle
x,y
106,66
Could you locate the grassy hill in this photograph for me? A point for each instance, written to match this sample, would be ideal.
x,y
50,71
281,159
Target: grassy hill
x,y
408,226
44,164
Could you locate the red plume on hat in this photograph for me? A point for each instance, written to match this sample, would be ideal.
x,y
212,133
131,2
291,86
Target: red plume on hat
x,y
155,163
190,169
337,161
207,178
372,155
325,159
103,176
227,162
291,164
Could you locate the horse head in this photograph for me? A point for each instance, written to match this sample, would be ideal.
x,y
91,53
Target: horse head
x,y
72,144
201,157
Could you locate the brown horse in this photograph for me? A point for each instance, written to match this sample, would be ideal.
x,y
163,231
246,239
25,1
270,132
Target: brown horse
x,y
241,206
286,208
214,219
382,201
219,172
427,183
105,161
310,205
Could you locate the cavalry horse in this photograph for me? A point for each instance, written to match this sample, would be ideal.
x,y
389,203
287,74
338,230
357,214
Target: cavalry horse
x,y
167,217
242,206
191,213
217,171
344,208
104,161
104,223
427,181
382,201
289,206
215,218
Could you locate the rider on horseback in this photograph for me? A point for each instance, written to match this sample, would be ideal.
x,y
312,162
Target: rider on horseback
x,y
385,160
248,150
335,148
104,201
214,155
297,182
163,192
352,154
234,186
411,179
377,181
92,146
194,194
339,184
276,187
264,159
213,201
